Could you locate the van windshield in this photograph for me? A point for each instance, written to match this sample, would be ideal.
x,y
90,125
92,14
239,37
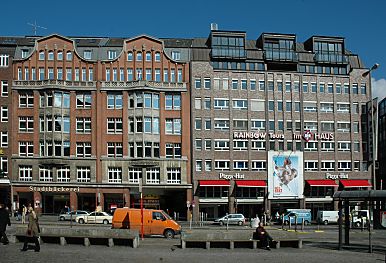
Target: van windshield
x,y
166,215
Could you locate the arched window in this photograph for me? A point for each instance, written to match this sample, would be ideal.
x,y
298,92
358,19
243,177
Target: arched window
x,y
60,55
69,55
157,56
41,55
148,56
139,56
130,56
50,55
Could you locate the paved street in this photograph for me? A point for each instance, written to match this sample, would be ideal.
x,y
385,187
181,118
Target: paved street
x,y
317,247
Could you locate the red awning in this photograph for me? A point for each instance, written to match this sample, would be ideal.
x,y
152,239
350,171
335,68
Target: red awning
x,y
327,182
251,183
214,183
355,183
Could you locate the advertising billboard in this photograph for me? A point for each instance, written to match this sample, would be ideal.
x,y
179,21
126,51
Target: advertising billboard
x,y
285,175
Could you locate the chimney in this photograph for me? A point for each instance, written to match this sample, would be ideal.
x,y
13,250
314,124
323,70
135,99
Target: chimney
x,y
213,26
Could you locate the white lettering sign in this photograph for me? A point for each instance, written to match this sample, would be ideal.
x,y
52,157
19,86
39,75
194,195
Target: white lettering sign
x,y
231,176
336,176
53,189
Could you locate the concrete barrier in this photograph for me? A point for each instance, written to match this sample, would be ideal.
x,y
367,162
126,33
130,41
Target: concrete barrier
x,y
232,238
87,234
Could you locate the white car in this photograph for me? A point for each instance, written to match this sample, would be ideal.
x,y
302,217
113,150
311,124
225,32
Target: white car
x,y
236,219
95,218
72,214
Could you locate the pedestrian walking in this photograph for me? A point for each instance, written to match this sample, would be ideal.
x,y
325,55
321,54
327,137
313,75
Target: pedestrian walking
x,y
23,214
33,230
4,221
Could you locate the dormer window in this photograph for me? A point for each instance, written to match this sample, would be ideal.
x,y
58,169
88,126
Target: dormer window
x,y
24,53
329,52
112,54
87,54
279,49
176,55
228,46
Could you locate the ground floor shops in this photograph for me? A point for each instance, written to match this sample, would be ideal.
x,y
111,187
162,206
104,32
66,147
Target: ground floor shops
x,y
55,198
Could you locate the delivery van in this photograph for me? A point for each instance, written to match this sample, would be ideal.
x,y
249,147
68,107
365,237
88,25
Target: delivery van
x,y
300,214
155,222
328,217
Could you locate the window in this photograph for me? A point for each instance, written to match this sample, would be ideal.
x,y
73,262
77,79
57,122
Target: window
x,y
240,145
221,165
153,175
4,114
114,149
83,125
176,55
41,55
114,174
239,104
197,83
129,56
173,175
344,146
363,88
207,83
305,87
252,84
280,86
24,53
311,166
83,149
26,149
112,54
327,166
221,145
139,56
173,126
344,165
208,165
261,85
258,124
326,107
343,127
114,101
69,56
259,166
63,174
311,146
50,55
312,126
310,106
343,108
198,165
4,60
327,126
4,139
45,174
173,150
327,146
240,165
114,125
221,124
26,124
83,101
221,104
87,54
83,174
240,124
25,173
134,175
26,100
157,56
172,101
258,145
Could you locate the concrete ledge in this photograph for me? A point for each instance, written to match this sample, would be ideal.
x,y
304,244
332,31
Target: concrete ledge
x,y
84,233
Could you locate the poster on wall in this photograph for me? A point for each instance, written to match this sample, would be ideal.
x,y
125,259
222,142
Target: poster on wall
x,y
285,175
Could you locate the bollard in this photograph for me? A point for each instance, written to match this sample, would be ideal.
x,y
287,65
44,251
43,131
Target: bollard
x,y
227,222
303,224
296,223
289,220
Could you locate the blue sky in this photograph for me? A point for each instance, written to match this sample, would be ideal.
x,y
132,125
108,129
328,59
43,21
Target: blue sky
x,y
362,23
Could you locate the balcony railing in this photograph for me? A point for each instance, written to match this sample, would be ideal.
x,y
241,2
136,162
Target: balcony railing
x,y
142,83
233,53
53,82
331,58
280,55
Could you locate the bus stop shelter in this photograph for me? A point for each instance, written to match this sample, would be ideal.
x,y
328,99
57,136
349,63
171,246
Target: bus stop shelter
x,y
372,198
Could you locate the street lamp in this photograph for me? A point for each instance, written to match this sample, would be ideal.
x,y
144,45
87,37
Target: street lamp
x,y
373,126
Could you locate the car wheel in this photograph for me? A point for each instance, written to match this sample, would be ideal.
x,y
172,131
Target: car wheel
x,y
105,222
81,221
240,223
61,218
169,234
325,222
221,223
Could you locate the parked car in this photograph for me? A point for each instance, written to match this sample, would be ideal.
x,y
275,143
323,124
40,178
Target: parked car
x,y
95,218
74,214
328,217
235,219
300,214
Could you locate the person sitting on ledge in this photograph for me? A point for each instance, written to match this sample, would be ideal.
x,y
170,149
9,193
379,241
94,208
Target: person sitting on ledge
x,y
263,236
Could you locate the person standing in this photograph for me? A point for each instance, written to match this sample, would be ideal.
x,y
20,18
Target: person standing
x,y
32,230
23,213
4,221
263,236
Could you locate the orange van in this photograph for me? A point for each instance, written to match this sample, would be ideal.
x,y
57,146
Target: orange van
x,y
155,222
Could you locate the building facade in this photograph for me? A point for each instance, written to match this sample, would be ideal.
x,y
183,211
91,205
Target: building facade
x,y
276,123
99,121
381,171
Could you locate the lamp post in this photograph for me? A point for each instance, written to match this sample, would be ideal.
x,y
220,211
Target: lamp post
x,y
373,126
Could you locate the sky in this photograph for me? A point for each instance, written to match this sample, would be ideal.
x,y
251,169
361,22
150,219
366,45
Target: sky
x,y
361,23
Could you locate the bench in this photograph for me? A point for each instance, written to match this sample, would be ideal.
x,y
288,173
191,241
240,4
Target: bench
x,y
233,238
87,234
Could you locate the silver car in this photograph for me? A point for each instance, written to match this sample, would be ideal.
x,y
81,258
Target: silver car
x,y
74,214
231,219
